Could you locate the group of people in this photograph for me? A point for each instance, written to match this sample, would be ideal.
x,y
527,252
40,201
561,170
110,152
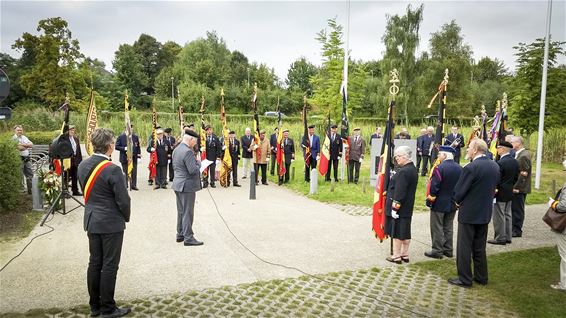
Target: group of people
x,y
483,191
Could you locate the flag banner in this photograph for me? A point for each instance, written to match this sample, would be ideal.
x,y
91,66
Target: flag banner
x,y
385,164
203,137
153,156
325,151
226,167
345,129
91,124
279,150
306,142
257,152
128,134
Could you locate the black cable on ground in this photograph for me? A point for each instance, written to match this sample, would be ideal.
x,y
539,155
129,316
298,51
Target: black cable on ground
x,y
302,271
23,249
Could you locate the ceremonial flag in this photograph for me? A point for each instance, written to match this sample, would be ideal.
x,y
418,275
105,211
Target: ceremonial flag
x,y
181,114
153,156
325,151
128,134
256,124
440,119
385,165
279,151
203,137
306,142
494,131
91,124
226,167
345,129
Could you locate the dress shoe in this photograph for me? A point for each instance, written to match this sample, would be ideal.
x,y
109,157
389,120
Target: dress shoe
x,y
193,242
508,242
432,255
517,235
265,183
456,281
170,180
449,255
77,193
180,239
135,189
95,312
212,186
495,242
237,185
480,282
396,260
163,187
118,312
244,177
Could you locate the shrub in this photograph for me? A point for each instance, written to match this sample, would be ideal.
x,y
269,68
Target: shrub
x,y
11,172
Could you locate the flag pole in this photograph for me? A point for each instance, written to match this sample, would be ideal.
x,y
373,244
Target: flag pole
x,y
345,89
543,97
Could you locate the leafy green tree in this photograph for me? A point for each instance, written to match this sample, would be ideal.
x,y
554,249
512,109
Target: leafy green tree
x,y
13,69
526,87
263,76
149,49
50,60
401,39
489,69
129,71
299,75
168,54
239,68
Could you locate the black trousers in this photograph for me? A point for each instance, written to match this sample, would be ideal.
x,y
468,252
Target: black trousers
x,y
457,156
471,246
212,172
308,168
171,171
105,250
273,162
73,173
263,168
419,159
285,178
518,212
234,171
133,179
425,162
333,162
353,167
161,174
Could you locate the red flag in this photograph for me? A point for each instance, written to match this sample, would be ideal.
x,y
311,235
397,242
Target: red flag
x,y
325,152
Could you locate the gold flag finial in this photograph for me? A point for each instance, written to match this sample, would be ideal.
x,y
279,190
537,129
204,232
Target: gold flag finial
x,y
394,89
222,92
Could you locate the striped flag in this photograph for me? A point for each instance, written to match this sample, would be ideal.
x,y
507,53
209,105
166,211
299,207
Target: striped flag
x,y
91,124
325,151
279,155
226,167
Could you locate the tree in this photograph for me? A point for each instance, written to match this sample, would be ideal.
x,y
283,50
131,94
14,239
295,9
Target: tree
x,y
525,87
488,69
239,68
168,55
148,49
50,63
401,39
129,71
299,75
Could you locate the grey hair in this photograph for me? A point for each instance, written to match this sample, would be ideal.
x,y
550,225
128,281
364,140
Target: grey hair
x,y
480,145
509,138
248,129
403,151
449,155
101,138
517,139
17,126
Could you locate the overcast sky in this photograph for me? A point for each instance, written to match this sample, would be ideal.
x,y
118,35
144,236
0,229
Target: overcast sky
x,y
277,33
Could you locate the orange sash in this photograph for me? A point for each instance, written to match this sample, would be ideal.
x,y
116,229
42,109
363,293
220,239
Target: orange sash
x,y
93,176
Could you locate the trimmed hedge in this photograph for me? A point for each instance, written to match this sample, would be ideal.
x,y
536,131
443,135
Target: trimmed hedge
x,y
11,175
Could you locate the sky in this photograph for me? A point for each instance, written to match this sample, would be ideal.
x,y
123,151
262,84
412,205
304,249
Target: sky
x,y
279,32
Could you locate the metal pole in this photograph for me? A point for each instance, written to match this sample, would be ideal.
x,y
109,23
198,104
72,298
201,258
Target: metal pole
x,y
543,97
172,93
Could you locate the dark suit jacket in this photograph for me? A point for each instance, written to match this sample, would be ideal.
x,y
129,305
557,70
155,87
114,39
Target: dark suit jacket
x,y
374,136
288,149
213,148
419,144
524,181
450,139
273,143
162,151
315,147
77,158
187,170
402,188
122,143
424,146
246,143
475,191
108,206
171,142
509,171
444,179
234,149
335,147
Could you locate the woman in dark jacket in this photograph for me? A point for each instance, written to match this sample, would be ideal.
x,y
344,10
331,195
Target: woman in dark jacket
x,y
400,203
560,207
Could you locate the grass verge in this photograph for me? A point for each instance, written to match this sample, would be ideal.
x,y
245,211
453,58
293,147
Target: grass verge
x,y
519,280
18,223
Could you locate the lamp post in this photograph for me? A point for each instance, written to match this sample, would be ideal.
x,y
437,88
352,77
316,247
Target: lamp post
x,y
248,77
173,93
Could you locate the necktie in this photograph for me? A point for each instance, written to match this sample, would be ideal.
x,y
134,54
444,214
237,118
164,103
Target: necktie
x,y
74,145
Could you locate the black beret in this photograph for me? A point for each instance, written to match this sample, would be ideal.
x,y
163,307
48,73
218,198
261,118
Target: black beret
x,y
232,132
207,126
168,130
334,126
191,132
504,143
311,126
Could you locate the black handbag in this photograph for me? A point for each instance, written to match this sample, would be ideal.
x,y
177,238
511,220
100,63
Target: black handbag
x,y
554,219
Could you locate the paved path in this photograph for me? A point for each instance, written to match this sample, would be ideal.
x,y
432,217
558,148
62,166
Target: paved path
x,y
280,226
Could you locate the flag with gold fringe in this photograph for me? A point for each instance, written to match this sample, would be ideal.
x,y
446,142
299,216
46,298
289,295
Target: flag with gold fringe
x,y
91,124
226,167
129,142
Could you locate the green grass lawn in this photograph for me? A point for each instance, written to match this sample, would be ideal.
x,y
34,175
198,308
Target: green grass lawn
x,y
18,222
519,280
362,193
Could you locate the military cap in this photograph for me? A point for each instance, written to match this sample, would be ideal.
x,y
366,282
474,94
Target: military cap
x,y
285,130
207,126
232,132
191,133
311,126
262,131
357,128
72,127
168,130
333,126
447,149
506,144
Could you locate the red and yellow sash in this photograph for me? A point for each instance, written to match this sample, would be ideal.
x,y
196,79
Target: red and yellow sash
x,y
93,176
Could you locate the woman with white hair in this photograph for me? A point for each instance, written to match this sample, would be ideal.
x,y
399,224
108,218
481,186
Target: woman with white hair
x,y
399,204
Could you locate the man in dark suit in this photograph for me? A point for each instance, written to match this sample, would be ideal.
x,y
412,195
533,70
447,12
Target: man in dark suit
x,y
234,149
247,144
375,135
213,152
107,209
185,184
273,146
502,215
419,150
442,208
523,185
314,144
76,159
456,141
335,153
356,155
474,194
162,148
288,148
122,147
171,141
425,146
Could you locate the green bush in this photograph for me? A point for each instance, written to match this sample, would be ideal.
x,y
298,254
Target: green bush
x,y
42,137
36,120
11,172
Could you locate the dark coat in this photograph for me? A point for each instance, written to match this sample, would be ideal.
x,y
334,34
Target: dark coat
x,y
122,143
315,147
449,139
108,207
402,188
509,172
234,149
376,136
162,151
77,157
213,148
288,149
475,191
273,143
246,144
444,179
525,167
425,143
171,142
335,147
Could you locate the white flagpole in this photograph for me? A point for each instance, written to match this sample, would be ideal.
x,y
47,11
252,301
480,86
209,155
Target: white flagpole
x,y
344,88
543,97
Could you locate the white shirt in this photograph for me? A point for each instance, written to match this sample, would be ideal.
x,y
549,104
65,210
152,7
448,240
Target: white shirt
x,y
102,155
23,140
74,145
479,156
518,152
